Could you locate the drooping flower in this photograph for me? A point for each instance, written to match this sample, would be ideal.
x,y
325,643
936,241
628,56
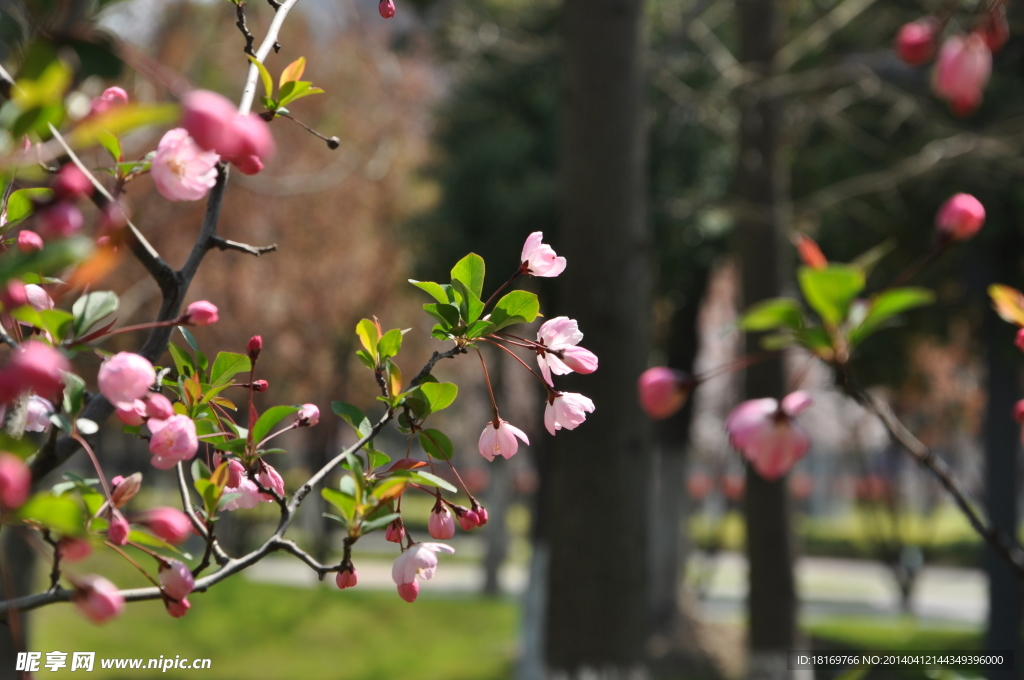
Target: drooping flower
x,y
560,336
253,141
125,377
915,42
767,434
419,560
177,608
962,71
117,532
441,525
176,579
240,483
180,169
566,409
168,524
347,577
960,217
38,412
37,297
15,481
270,479
500,440
539,259
387,10
395,532
173,440
98,598
409,591
201,313
467,519
35,367
663,391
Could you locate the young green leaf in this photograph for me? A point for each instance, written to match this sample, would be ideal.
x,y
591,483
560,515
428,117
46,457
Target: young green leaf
x,y
227,365
439,395
772,314
435,290
271,417
470,271
390,343
470,305
830,291
21,203
353,416
61,513
292,71
437,444
519,306
369,336
74,390
449,315
268,80
92,307
888,304
341,500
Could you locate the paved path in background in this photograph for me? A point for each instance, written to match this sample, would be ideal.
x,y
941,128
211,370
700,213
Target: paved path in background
x,y
828,587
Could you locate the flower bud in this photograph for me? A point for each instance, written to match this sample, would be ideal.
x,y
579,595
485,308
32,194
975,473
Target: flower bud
x,y
59,220
347,577
269,478
117,532
387,10
14,295
395,532
915,43
15,481
254,347
260,386
481,513
962,71
38,298
29,241
98,599
467,519
441,525
158,406
960,217
71,184
134,415
112,97
177,608
176,579
409,591
201,313
1018,411
125,377
36,367
663,391
995,29
308,415
168,524
73,549
123,489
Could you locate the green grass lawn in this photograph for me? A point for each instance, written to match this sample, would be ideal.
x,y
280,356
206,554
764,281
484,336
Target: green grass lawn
x,y
268,632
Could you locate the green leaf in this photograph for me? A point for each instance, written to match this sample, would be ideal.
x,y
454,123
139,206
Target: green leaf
x,y
56,322
439,395
776,341
449,315
390,343
152,541
868,259
366,360
271,417
199,470
182,360
74,389
431,480
519,306
888,304
20,203
60,513
470,271
378,522
772,314
437,444
369,336
830,291
189,338
268,80
91,308
434,289
470,305
376,458
230,445
227,365
353,416
479,329
292,71
341,500
111,143
57,255
122,119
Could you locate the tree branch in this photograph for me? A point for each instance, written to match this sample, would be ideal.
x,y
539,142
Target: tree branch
x,y
225,244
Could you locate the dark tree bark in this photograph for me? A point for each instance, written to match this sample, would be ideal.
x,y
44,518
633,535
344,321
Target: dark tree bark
x,y
761,233
597,613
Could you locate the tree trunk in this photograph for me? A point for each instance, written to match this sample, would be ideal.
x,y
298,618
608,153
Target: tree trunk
x,y
772,596
597,614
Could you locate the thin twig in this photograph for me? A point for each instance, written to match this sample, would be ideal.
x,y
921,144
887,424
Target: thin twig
x,y
225,244
249,38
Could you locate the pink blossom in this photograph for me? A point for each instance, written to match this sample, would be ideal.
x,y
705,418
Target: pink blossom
x,y
395,532
663,391
38,414
176,579
112,97
177,608
915,43
201,313
59,220
158,406
181,170
125,377
467,519
500,440
960,217
560,336
71,184
481,513
962,71
539,259
74,549
441,525
1018,411
269,478
117,532
134,415
566,409
408,591
98,598
38,298
15,481
308,415
123,489
253,143
767,435
387,10
208,117
420,560
29,241
239,482
173,440
168,524
1019,340
347,578
36,367
14,295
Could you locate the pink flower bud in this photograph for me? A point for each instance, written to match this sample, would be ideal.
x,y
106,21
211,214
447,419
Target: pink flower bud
x,y
177,608
254,347
960,217
387,10
176,579
117,532
158,406
73,549
38,298
247,165
38,412
71,184
481,513
347,578
168,524
663,391
123,489
395,532
962,71
995,29
207,116
181,170
29,241
260,386
134,415
1019,340
15,481
112,97
441,525
767,435
1018,411
270,478
468,520
201,313
500,440
308,415
36,367
14,295
173,440
407,591
580,360
59,220
125,377
539,259
566,409
98,599
253,143
915,43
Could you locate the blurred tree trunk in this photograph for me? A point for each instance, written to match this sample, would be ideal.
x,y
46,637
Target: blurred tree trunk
x,y
597,614
761,233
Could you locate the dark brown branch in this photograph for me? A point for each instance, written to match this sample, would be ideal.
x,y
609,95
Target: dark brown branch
x,y
224,244
425,371
249,38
